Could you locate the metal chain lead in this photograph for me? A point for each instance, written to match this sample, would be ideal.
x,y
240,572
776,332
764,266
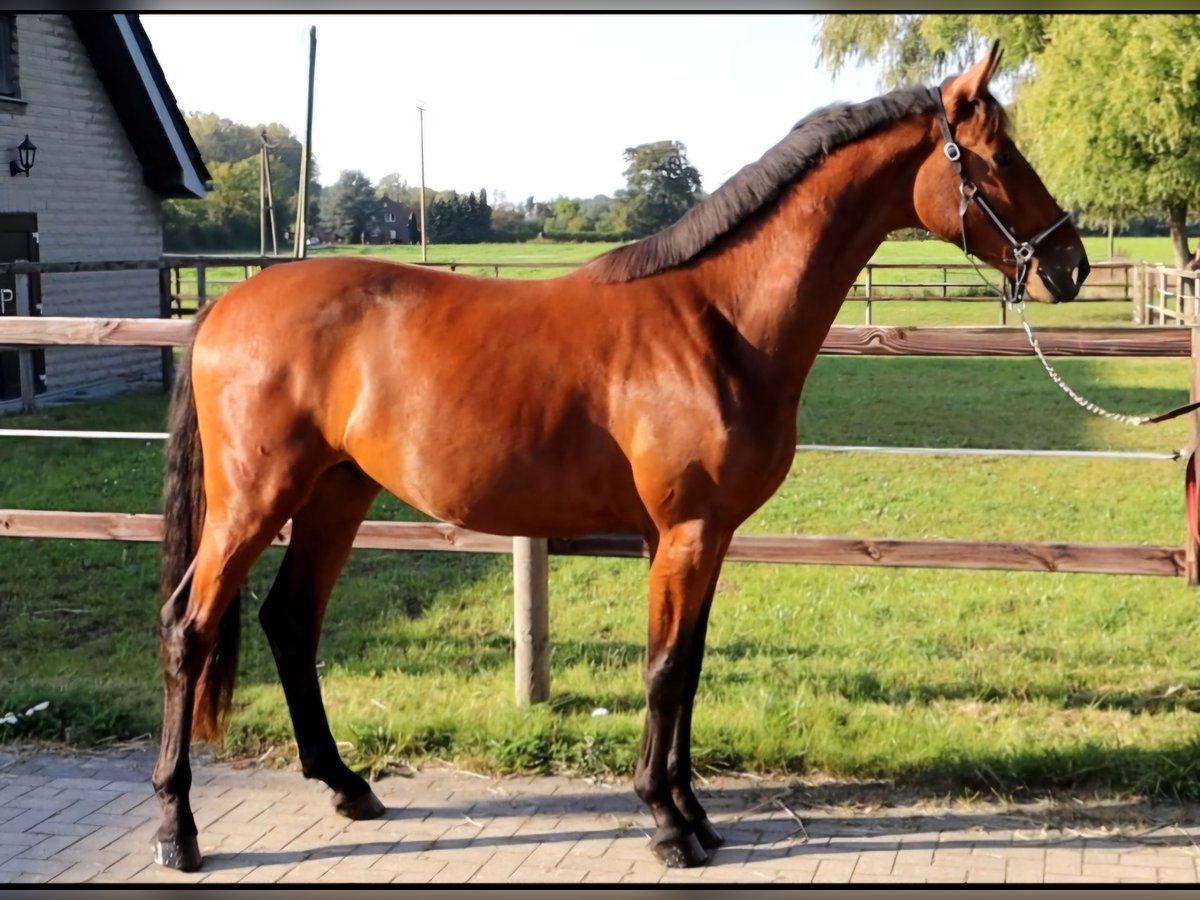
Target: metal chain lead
x,y
1091,407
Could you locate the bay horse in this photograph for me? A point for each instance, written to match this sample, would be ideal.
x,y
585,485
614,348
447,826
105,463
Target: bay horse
x,y
653,390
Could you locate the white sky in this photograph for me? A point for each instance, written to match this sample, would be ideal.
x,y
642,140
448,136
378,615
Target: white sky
x,y
524,104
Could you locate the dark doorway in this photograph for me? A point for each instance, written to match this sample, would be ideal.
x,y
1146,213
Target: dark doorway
x,y
18,240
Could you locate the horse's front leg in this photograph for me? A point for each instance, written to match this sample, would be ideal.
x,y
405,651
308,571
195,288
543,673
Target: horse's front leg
x,y
679,760
685,562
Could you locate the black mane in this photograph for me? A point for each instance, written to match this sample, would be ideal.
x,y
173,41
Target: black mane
x,y
812,139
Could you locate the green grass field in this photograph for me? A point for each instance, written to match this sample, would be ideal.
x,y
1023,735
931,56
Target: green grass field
x,y
939,680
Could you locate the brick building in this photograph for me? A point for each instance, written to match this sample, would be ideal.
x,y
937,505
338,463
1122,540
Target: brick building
x,y
111,145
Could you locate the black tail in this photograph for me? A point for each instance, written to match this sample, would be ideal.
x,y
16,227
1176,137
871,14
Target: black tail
x,y
183,520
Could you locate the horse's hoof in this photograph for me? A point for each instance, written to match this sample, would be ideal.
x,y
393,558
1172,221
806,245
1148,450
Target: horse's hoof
x,y
680,852
364,806
182,854
709,837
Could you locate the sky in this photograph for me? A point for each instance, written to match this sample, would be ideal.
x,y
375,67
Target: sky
x,y
522,105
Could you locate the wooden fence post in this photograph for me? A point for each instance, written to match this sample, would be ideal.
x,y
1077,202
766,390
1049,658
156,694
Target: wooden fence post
x,y
201,288
1191,556
164,312
24,297
1137,294
868,293
1162,296
531,619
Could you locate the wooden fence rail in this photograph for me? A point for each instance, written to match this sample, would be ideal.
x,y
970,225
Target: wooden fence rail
x,y
843,340
1020,556
531,611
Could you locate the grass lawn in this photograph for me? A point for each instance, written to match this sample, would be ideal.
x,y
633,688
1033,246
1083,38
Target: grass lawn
x,y
942,680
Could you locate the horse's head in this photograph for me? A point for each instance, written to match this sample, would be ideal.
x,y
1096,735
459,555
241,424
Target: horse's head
x,y
977,190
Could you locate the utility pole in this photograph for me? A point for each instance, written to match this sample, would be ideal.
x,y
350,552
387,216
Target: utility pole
x,y
267,202
423,241
301,244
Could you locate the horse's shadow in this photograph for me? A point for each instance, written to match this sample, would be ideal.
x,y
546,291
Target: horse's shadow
x,y
739,814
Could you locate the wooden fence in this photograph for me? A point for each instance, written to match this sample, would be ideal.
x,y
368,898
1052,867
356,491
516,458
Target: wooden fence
x,y
1165,296
878,282
530,555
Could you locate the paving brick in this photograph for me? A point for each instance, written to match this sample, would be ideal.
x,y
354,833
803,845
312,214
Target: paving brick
x,y
308,870
130,865
1109,872
78,873
835,871
985,876
50,846
455,872
1027,871
268,874
1177,876
81,784
876,862
874,878
20,824
1063,862
1159,859
643,873
23,865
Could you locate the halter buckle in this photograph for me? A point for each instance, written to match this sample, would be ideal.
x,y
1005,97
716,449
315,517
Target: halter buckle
x,y
1024,252
952,152
967,189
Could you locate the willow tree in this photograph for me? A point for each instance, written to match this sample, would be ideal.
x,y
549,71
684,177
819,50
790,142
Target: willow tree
x,y
1107,106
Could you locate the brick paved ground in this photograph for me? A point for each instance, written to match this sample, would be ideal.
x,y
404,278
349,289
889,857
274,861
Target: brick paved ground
x,y
91,819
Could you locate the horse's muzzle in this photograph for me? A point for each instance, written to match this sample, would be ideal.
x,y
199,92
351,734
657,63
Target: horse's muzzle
x,y
1061,282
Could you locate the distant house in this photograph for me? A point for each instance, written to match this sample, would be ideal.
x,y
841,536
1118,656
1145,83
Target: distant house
x,y
111,144
389,223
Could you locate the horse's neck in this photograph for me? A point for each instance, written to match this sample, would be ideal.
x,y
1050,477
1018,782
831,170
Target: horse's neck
x,y
783,282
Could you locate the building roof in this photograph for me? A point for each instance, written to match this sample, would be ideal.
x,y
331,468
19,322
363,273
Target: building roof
x,y
124,60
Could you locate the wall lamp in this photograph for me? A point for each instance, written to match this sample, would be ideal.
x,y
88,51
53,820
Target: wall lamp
x,y
24,161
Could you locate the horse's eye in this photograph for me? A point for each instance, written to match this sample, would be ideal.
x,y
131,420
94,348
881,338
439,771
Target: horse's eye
x,y
1004,157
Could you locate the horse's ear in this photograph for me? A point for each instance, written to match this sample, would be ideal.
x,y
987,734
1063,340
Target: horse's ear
x,y
971,84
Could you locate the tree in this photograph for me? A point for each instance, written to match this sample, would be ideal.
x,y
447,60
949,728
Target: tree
x,y
1107,107
348,205
392,185
1132,144
228,216
917,48
661,185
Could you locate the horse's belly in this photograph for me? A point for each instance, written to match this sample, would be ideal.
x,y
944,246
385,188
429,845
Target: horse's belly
x,y
536,495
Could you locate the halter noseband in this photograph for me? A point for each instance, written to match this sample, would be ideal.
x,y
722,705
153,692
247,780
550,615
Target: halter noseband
x,y
1023,251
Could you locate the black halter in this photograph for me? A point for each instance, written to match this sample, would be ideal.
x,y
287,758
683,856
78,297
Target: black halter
x,y
1023,251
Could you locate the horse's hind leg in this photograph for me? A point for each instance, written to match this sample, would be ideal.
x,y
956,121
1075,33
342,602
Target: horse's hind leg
x,y
189,635
322,533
